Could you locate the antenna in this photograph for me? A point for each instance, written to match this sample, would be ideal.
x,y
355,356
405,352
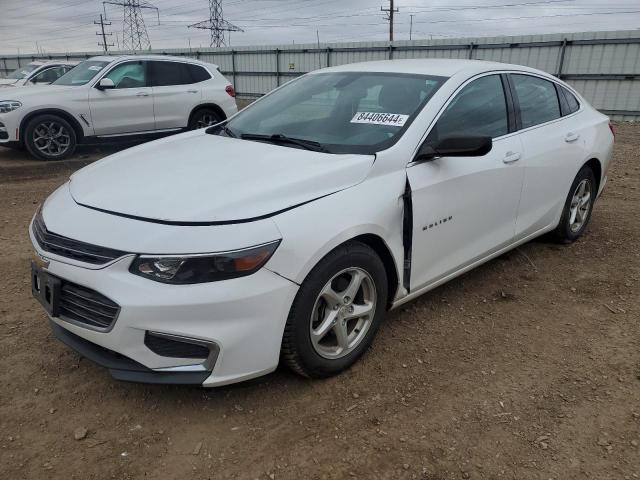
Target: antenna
x,y
216,24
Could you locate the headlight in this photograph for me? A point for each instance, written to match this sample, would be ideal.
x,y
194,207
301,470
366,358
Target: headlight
x,y
189,269
7,106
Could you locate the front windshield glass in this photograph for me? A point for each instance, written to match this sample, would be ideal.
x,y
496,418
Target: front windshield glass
x,y
82,73
23,71
345,112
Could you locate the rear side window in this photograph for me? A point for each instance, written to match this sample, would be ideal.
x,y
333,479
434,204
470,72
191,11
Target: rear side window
x,y
479,109
572,101
537,98
197,73
169,73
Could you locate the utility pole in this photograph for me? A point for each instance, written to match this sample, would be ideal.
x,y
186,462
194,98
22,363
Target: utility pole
x,y
134,31
216,24
411,27
390,11
104,43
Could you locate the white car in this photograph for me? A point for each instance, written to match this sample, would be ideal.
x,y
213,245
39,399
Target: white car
x,y
107,98
37,73
288,231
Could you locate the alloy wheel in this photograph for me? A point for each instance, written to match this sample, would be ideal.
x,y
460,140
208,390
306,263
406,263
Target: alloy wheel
x,y
51,138
206,120
580,205
343,313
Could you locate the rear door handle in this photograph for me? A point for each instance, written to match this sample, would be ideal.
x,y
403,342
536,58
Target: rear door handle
x,y
511,157
142,94
192,91
571,137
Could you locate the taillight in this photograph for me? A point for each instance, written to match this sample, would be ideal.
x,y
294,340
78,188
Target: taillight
x,y
230,90
613,129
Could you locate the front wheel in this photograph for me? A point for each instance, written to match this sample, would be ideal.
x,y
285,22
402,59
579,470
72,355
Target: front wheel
x,y
50,137
336,312
578,207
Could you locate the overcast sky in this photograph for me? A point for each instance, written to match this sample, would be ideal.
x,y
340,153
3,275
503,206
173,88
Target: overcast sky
x,y
67,25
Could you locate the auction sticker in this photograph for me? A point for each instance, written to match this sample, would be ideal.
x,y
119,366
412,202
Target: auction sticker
x,y
375,118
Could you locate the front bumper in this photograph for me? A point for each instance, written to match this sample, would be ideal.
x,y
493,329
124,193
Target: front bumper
x,y
242,318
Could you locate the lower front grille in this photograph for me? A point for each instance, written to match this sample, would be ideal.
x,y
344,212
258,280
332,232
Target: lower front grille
x,y
86,307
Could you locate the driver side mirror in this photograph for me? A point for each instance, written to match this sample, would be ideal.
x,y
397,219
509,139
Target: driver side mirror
x,y
455,147
105,83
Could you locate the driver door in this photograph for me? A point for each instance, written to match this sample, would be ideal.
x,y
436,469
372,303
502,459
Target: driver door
x,y
127,108
464,208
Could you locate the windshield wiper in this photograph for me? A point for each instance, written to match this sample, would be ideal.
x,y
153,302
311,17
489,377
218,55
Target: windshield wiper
x,y
215,129
279,138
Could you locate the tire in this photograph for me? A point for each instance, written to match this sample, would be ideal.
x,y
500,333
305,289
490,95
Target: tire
x,y
50,137
204,117
321,300
571,225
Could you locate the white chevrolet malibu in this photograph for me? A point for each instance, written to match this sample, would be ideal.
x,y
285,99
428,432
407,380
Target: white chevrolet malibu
x,y
287,231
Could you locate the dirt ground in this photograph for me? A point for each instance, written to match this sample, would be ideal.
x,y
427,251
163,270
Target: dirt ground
x,y
526,368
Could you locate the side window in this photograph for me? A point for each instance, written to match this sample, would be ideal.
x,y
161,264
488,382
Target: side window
x,y
49,75
537,98
197,73
572,101
479,109
169,73
128,75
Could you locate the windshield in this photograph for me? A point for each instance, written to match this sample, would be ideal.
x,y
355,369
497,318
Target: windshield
x,y
344,112
23,71
82,73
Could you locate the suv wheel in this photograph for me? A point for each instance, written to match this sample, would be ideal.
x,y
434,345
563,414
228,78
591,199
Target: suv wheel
x,y
50,137
336,312
577,207
204,117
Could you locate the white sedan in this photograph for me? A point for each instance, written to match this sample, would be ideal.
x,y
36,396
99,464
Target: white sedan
x,y
287,231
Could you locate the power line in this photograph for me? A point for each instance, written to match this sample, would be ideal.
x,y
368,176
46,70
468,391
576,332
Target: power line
x,y
134,31
216,24
104,43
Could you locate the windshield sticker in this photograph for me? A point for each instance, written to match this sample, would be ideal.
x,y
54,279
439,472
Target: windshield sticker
x,y
96,68
373,118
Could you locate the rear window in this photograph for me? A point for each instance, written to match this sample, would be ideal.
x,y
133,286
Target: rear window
x,y
198,73
537,98
572,101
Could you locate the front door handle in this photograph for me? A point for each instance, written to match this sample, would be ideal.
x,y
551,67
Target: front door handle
x,y
571,137
142,94
511,157
192,91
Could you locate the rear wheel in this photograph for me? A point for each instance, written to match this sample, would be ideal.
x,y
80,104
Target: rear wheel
x,y
204,117
577,207
336,313
50,137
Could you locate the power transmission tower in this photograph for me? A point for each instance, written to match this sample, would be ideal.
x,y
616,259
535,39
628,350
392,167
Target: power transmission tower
x,y
104,43
216,24
134,31
390,11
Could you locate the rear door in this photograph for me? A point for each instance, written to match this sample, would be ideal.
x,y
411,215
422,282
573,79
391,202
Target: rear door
x,y
127,108
174,93
552,150
464,208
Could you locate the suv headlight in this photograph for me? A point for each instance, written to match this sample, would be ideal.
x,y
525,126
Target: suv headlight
x,y
7,106
189,269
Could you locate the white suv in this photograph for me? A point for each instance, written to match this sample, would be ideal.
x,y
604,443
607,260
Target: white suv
x,y
106,97
37,73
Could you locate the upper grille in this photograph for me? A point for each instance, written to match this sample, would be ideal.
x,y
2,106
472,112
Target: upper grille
x,y
86,306
74,249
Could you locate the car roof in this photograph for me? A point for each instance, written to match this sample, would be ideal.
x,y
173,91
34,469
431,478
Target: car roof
x,y
111,58
429,66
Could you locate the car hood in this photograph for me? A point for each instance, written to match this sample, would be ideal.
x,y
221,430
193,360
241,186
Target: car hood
x,y
207,179
39,90
7,81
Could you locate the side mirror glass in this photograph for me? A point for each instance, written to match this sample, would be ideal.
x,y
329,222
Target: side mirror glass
x,y
455,147
105,83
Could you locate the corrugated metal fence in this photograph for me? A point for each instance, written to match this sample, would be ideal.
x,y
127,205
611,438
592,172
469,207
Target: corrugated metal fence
x,y
603,66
